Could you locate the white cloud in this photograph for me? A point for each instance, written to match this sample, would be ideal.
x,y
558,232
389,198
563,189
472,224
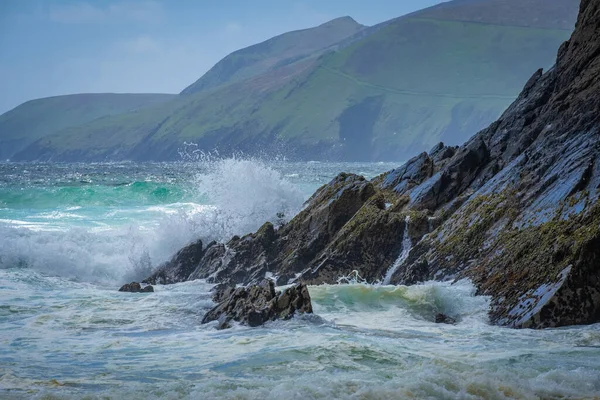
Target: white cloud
x,y
145,11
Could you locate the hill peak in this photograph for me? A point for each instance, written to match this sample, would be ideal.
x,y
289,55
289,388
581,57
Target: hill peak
x,y
283,49
340,21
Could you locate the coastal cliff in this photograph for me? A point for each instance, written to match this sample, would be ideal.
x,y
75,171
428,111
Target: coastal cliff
x,y
515,209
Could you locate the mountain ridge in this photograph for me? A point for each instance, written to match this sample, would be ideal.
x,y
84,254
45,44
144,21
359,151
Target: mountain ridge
x,y
34,119
375,90
227,70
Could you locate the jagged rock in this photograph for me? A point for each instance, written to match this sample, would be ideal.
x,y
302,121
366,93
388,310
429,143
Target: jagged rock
x,y
180,267
135,287
221,291
516,209
411,174
529,231
460,171
440,154
444,319
257,304
294,246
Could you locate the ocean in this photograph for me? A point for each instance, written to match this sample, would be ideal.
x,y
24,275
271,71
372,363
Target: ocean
x,y
72,234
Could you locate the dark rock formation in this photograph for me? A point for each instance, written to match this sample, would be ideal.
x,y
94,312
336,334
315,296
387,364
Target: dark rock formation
x,y
135,287
257,304
302,245
221,291
444,319
180,267
515,209
528,232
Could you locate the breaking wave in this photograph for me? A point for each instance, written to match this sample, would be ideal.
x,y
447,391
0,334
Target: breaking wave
x,y
112,233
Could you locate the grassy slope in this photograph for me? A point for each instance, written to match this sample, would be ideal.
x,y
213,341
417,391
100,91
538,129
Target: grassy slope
x,y
425,72
280,50
548,14
398,91
42,117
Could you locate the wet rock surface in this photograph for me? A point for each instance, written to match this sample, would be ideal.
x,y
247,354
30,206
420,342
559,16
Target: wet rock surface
x,y
444,319
179,268
526,233
135,287
515,209
256,304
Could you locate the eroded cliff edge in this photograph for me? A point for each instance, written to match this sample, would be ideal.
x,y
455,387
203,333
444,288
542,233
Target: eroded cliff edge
x,y
515,209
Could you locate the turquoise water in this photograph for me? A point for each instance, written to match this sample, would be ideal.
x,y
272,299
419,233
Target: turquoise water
x,y
71,234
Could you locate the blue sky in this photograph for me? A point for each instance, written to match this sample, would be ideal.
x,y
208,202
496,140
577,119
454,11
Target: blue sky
x,y
58,47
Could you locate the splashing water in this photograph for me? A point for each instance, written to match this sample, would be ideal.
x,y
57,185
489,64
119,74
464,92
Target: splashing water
x,y
63,339
99,229
110,223
70,234
406,248
247,193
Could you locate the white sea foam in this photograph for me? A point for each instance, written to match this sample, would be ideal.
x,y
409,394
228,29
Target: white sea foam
x,y
127,243
375,342
66,338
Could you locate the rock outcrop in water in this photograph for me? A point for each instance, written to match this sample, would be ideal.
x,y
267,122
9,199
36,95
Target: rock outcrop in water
x,y
256,304
135,287
180,267
515,209
444,319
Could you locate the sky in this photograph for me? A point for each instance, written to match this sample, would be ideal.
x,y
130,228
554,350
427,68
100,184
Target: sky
x,y
55,47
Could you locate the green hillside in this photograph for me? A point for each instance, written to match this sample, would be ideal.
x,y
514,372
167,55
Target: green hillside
x,y
398,89
38,118
279,51
527,13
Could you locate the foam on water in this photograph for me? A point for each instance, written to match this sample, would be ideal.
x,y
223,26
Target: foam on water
x,y
113,244
65,332
62,339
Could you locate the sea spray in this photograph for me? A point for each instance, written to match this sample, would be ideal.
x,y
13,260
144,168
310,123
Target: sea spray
x,y
67,338
406,247
247,193
105,238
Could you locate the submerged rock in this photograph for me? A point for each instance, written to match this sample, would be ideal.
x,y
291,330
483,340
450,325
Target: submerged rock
x,y
254,305
222,291
135,287
444,319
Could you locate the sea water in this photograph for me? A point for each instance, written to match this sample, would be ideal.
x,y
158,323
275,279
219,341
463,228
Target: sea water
x,y
71,234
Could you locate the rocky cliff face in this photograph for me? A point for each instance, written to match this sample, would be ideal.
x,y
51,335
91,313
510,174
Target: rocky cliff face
x,y
529,231
515,209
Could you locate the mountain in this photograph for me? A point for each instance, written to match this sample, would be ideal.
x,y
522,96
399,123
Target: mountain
x,y
550,15
276,52
516,209
39,118
382,93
